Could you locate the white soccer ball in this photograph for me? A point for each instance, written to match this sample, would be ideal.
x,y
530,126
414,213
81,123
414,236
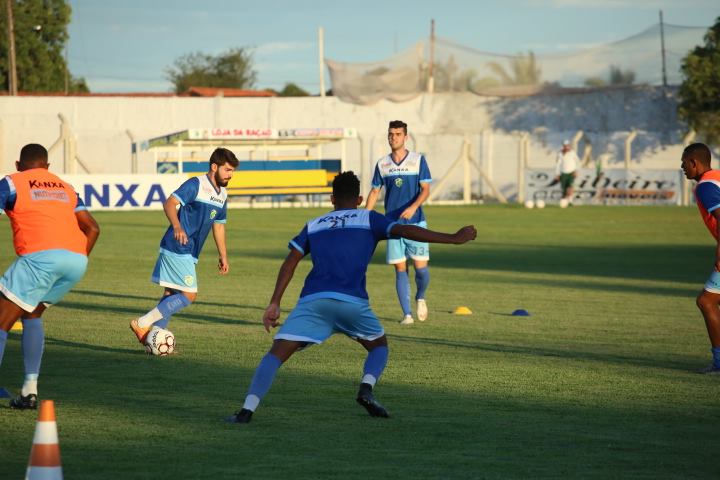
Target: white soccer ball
x,y
540,204
160,342
529,204
563,203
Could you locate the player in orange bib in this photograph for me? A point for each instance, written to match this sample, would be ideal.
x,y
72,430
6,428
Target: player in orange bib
x,y
53,234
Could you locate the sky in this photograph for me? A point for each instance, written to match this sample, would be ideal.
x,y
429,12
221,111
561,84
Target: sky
x,y
126,45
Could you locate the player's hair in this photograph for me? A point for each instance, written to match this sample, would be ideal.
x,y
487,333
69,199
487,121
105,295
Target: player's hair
x,y
33,153
398,124
221,156
346,186
699,152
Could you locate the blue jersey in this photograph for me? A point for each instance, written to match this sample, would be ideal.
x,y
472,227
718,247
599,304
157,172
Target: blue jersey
x,y
8,196
402,184
341,245
201,205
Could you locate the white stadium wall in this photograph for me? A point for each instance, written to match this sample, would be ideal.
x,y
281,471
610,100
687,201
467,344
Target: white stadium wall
x,y
438,124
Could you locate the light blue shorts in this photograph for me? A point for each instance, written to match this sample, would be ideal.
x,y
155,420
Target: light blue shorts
x,y
713,283
315,321
42,277
175,271
399,249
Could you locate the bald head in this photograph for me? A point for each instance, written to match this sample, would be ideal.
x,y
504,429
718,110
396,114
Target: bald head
x,y
32,155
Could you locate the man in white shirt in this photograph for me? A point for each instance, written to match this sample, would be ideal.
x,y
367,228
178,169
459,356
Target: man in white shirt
x,y
566,170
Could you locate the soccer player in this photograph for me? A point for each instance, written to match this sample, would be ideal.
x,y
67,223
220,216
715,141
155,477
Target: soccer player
x,y
53,234
199,205
696,166
334,300
566,171
406,178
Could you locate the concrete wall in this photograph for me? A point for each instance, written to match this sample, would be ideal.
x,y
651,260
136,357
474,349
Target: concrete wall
x,y
438,124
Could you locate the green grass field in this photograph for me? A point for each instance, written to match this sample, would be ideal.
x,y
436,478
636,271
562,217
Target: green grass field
x,y
598,383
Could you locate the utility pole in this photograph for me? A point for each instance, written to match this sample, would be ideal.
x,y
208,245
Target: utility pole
x,y
321,59
12,67
662,49
431,65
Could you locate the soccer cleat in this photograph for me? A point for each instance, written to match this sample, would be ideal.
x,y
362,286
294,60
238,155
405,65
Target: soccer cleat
x,y
27,402
407,320
710,370
366,399
243,416
422,310
140,333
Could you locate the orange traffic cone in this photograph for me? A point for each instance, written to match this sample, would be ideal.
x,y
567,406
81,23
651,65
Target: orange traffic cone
x,y
45,455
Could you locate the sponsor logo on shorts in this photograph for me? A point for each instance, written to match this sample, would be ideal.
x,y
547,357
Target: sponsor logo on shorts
x,y
189,280
213,213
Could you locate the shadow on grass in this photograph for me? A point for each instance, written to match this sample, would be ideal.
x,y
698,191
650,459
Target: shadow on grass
x,y
688,365
680,263
121,403
156,298
186,315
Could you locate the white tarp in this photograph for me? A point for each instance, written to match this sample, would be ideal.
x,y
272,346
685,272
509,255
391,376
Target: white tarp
x,y
611,187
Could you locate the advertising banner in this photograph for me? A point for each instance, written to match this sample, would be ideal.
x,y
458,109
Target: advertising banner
x,y
124,192
609,187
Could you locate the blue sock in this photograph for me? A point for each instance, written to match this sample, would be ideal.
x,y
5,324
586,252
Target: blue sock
x,y
375,364
402,285
169,306
422,280
3,341
716,356
33,344
262,380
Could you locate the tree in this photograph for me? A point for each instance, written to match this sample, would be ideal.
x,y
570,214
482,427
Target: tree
x,y
293,90
230,69
700,90
617,77
524,70
620,77
40,39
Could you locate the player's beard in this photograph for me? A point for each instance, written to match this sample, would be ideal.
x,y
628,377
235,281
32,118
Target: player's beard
x,y
219,181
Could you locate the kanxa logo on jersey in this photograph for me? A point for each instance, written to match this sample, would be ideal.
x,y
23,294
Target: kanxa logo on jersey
x,y
39,184
337,220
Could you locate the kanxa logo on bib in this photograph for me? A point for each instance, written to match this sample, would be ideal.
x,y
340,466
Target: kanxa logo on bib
x,y
612,186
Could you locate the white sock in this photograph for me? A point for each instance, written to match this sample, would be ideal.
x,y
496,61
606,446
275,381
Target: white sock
x,y
30,385
149,318
370,379
251,402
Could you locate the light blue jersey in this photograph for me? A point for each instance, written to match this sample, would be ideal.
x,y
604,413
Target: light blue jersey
x,y
402,184
201,205
341,244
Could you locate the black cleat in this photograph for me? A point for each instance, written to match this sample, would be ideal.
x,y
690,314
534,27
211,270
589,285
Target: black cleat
x,y
366,399
28,402
243,416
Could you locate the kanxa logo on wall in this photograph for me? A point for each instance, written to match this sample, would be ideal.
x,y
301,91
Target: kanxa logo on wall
x,y
613,186
125,192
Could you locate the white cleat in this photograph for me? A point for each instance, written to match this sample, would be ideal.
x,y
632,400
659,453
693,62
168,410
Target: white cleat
x,y
422,310
408,320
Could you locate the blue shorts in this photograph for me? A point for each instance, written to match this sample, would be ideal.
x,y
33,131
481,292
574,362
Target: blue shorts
x,y
175,271
399,249
42,277
315,321
713,283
